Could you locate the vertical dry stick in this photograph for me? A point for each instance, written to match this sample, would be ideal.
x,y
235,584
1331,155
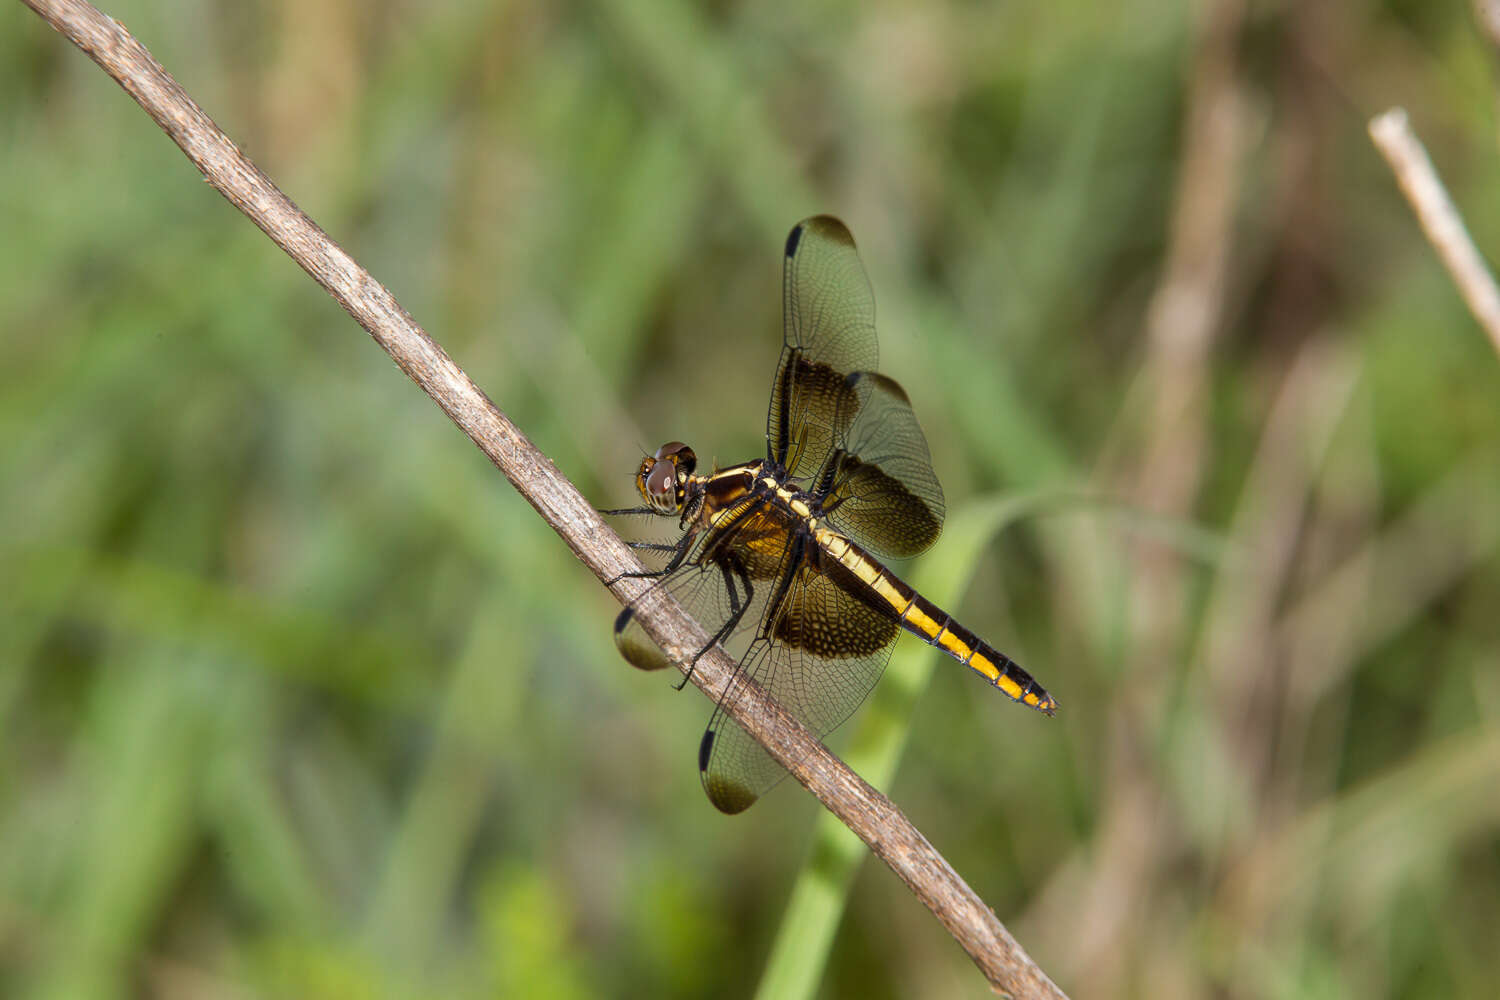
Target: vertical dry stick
x,y
1440,220
865,811
1182,320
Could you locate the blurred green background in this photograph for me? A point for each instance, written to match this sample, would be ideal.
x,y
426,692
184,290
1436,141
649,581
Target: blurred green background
x,y
298,698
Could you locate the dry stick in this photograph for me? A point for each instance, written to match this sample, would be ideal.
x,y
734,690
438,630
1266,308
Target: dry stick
x,y
1487,13
1182,321
1440,220
864,810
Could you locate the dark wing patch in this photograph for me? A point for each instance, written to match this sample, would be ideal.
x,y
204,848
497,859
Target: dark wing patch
x,y
880,487
825,622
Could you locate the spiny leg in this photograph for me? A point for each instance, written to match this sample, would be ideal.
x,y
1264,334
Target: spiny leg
x,y
679,550
625,511
737,609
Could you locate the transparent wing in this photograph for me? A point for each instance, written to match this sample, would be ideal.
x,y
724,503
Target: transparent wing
x,y
712,598
832,416
721,581
819,653
828,316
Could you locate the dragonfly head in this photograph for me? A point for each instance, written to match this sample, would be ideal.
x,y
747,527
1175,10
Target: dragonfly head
x,y
663,477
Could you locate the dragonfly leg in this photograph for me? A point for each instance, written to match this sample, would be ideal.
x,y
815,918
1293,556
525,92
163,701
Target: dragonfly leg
x,y
679,552
737,608
654,546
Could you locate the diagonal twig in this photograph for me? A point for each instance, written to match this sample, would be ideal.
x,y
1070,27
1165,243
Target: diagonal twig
x,y
1392,134
864,810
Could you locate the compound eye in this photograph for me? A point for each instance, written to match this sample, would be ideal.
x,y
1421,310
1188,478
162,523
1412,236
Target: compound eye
x,y
661,481
680,455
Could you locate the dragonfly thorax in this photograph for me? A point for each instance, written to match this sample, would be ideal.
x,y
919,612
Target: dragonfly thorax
x,y
663,478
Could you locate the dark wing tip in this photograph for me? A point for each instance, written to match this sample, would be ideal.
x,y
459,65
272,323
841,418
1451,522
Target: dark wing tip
x,y
884,382
727,796
826,226
639,651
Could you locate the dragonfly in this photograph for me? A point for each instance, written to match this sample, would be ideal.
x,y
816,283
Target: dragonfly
x,y
779,558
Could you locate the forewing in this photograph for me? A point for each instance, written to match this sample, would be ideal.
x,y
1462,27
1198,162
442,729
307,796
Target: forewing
x,y
881,490
829,331
701,589
818,654
711,583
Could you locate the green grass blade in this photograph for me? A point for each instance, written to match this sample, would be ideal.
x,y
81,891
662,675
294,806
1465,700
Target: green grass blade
x,y
806,934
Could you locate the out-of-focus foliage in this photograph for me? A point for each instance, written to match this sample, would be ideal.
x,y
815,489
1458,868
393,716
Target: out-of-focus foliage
x,y
298,698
